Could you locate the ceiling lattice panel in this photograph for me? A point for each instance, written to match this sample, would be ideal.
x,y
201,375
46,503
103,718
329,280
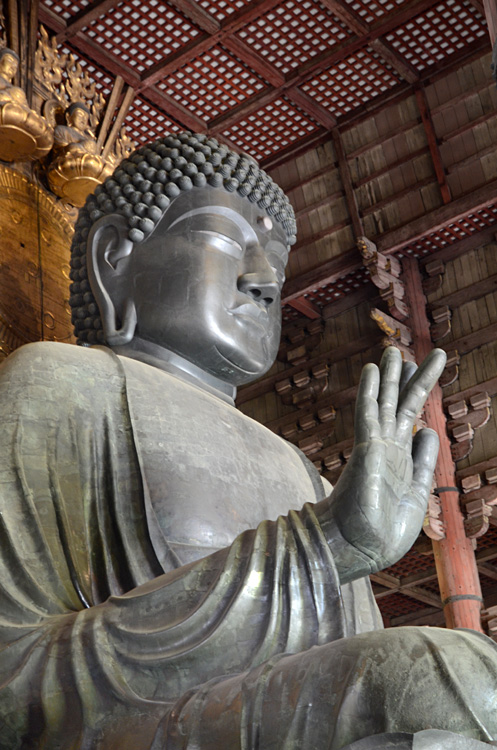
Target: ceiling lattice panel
x,y
452,232
145,123
275,127
294,32
347,84
438,33
143,33
66,9
212,83
223,9
229,66
374,10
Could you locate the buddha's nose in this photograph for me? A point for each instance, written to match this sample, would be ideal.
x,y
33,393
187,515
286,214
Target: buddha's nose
x,y
259,281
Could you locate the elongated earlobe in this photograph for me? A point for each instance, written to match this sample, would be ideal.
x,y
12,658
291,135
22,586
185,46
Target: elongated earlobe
x,y
109,253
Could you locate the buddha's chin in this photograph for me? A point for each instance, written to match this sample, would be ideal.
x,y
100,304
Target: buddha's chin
x,y
242,368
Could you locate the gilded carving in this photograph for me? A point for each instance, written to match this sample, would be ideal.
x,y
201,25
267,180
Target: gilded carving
x,y
23,132
79,160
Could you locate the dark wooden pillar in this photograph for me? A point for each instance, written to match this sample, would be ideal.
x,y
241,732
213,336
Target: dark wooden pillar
x,y
454,556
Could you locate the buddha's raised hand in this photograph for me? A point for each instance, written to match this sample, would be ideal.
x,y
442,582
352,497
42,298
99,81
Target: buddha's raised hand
x,y
377,508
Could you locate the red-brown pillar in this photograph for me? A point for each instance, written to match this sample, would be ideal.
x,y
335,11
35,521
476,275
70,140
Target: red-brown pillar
x,y
454,556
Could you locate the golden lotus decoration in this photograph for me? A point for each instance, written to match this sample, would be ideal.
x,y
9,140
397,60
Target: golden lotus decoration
x,y
77,166
73,176
24,134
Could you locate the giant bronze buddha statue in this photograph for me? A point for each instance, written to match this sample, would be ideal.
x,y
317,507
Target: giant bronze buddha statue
x,y
172,574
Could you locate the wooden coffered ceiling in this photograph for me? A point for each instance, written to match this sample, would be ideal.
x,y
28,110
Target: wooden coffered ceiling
x,y
268,76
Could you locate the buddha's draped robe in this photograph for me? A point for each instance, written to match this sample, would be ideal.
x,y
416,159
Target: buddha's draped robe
x,y
107,643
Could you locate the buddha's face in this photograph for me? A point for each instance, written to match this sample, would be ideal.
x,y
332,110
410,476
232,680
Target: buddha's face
x,y
207,284
78,119
8,66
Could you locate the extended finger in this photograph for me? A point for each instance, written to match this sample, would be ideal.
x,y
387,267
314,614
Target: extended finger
x,y
390,372
408,370
416,392
424,459
366,409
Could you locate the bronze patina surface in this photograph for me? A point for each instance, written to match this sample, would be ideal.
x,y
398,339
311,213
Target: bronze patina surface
x,y
171,573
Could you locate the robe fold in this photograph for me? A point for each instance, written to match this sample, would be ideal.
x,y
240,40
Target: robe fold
x,y
108,641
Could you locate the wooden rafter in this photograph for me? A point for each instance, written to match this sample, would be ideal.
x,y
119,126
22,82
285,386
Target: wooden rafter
x,y
431,137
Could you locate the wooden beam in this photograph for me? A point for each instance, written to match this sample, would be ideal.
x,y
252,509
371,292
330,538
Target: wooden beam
x,y
85,17
197,14
461,247
488,570
306,307
175,110
307,70
431,137
254,60
457,209
454,555
311,107
350,260
201,44
366,292
467,294
348,187
466,344
395,60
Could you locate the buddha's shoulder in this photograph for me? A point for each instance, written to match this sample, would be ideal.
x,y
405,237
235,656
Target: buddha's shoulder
x,y
60,363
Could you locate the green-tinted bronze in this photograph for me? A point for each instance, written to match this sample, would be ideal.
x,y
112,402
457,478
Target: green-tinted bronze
x,y
171,574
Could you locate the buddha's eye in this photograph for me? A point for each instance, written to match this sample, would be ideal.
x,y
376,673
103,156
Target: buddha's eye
x,y
223,243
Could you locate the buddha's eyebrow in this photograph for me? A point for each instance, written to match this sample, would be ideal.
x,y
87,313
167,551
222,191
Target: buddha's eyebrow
x,y
240,223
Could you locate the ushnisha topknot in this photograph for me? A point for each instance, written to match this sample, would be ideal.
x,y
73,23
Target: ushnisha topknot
x,y
142,188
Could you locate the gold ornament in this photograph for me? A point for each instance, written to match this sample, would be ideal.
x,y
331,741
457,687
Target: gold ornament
x,y
24,134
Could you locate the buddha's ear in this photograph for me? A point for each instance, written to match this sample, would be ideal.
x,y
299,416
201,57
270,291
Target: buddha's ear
x,y
108,254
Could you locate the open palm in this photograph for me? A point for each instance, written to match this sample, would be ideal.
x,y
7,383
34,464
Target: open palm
x,y
379,502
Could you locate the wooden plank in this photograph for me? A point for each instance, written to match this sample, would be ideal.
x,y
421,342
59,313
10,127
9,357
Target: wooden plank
x,y
473,340
432,143
392,165
468,293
